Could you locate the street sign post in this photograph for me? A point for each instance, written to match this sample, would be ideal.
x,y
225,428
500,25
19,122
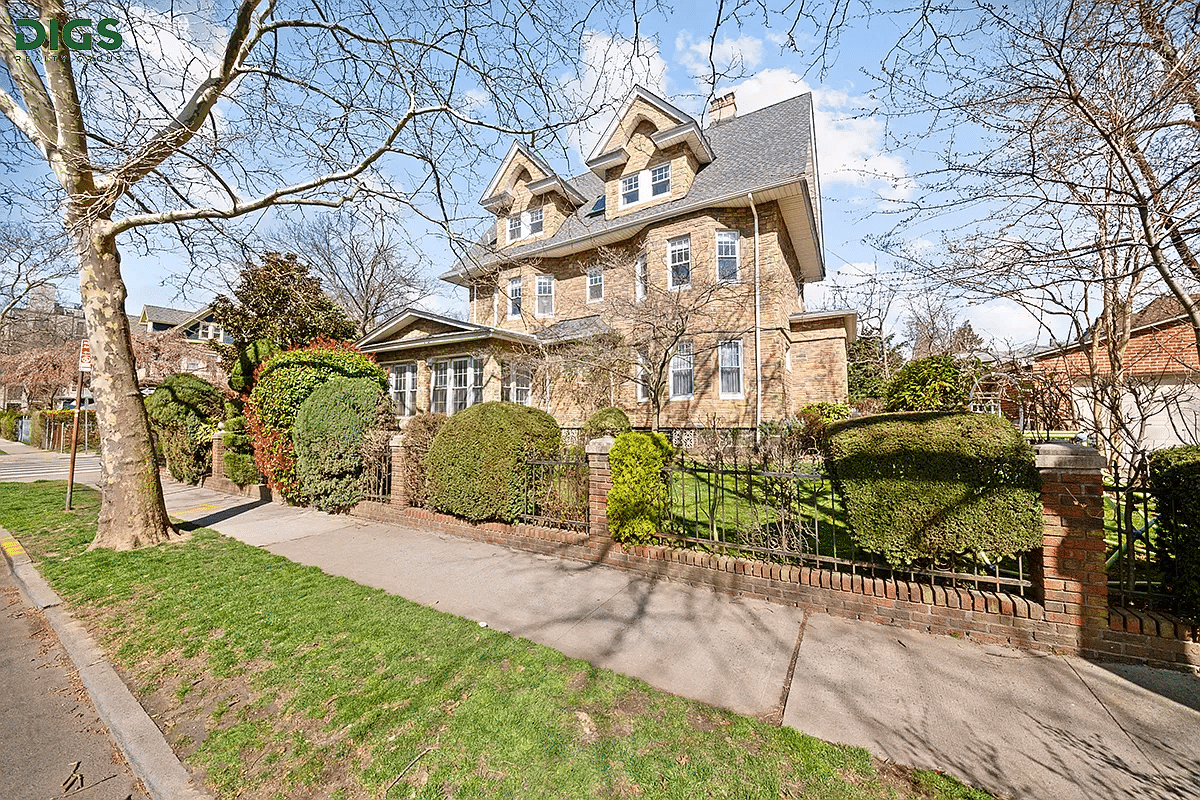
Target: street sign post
x,y
85,365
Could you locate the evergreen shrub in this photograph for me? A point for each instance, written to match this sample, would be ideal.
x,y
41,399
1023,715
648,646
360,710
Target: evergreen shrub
x,y
605,422
419,433
281,385
239,449
8,425
639,493
1175,485
37,429
241,374
330,434
475,465
183,411
928,484
936,383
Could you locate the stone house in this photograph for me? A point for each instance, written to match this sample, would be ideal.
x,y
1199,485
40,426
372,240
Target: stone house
x,y
668,280
197,328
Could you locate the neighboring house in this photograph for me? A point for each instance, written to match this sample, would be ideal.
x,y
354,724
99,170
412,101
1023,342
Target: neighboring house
x,y
198,329
719,227
1161,390
40,322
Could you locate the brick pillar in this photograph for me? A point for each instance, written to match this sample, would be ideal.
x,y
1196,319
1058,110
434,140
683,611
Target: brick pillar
x,y
1070,565
218,452
599,485
399,486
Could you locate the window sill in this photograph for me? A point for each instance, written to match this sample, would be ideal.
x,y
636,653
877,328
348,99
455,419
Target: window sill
x,y
732,396
681,397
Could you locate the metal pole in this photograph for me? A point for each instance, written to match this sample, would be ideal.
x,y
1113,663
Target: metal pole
x,y
74,438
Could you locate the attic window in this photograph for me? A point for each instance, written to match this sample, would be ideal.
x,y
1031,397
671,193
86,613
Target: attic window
x,y
597,207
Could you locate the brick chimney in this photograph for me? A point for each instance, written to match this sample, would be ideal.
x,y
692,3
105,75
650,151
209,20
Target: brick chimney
x,y
722,108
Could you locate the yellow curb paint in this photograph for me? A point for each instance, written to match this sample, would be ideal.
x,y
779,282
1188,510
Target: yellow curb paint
x,y
205,507
12,547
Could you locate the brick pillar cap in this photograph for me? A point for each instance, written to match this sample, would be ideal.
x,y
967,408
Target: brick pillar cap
x,y
217,434
1069,457
601,446
397,440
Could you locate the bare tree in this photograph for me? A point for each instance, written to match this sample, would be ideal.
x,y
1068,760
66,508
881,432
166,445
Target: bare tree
x,y
371,268
207,114
31,263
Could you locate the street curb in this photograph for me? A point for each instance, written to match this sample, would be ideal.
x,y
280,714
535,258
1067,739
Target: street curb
x,y
140,740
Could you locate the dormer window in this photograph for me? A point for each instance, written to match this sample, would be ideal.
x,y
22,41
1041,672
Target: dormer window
x,y
646,185
535,221
629,190
525,224
660,180
514,227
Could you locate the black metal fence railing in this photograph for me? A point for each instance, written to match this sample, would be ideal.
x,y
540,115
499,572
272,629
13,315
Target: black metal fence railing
x,y
1133,558
377,477
794,516
556,492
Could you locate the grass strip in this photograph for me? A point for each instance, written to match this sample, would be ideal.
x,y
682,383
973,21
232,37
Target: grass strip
x,y
275,680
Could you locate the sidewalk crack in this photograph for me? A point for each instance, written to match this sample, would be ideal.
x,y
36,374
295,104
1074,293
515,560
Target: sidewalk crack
x,y
775,716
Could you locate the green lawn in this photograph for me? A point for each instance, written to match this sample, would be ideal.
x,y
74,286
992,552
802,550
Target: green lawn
x,y
277,680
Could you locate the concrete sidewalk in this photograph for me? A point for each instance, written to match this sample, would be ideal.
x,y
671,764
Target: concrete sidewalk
x,y
1014,723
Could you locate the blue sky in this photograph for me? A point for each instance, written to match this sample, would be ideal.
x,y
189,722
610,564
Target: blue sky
x,y
858,175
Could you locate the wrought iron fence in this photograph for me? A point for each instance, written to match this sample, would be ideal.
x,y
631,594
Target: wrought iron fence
x,y
1133,557
556,491
377,477
792,515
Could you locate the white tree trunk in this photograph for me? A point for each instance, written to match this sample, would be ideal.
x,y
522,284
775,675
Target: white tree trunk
x,y
132,513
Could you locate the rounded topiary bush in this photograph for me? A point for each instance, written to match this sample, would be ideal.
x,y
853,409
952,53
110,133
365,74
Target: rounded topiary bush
x,y
330,433
281,385
639,493
605,422
1175,484
936,383
474,466
928,485
239,450
184,411
419,433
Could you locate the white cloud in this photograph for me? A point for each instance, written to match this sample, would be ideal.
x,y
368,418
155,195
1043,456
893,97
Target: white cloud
x,y
730,57
850,148
610,67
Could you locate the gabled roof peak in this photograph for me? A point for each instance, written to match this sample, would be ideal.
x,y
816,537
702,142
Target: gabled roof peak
x,y
681,118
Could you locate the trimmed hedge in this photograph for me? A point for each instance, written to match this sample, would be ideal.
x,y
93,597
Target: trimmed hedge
x,y
330,434
8,425
936,383
605,422
183,411
1175,484
239,449
419,433
475,464
639,492
281,385
249,358
929,484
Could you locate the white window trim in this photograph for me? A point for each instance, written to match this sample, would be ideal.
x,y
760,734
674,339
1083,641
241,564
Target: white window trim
x,y
521,294
588,288
509,385
536,312
645,179
471,381
525,225
737,255
642,380
395,370
671,368
740,395
671,267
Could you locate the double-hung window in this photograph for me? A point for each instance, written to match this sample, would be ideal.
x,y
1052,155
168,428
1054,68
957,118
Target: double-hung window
x,y
683,377
524,224
640,278
660,180
730,358
518,381
679,262
514,298
643,377
630,189
403,379
545,295
595,284
727,255
457,384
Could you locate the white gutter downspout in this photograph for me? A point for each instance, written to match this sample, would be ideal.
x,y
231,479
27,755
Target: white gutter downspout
x,y
757,334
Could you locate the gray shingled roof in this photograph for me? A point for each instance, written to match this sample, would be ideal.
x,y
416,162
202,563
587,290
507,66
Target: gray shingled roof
x,y
165,315
571,329
759,150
